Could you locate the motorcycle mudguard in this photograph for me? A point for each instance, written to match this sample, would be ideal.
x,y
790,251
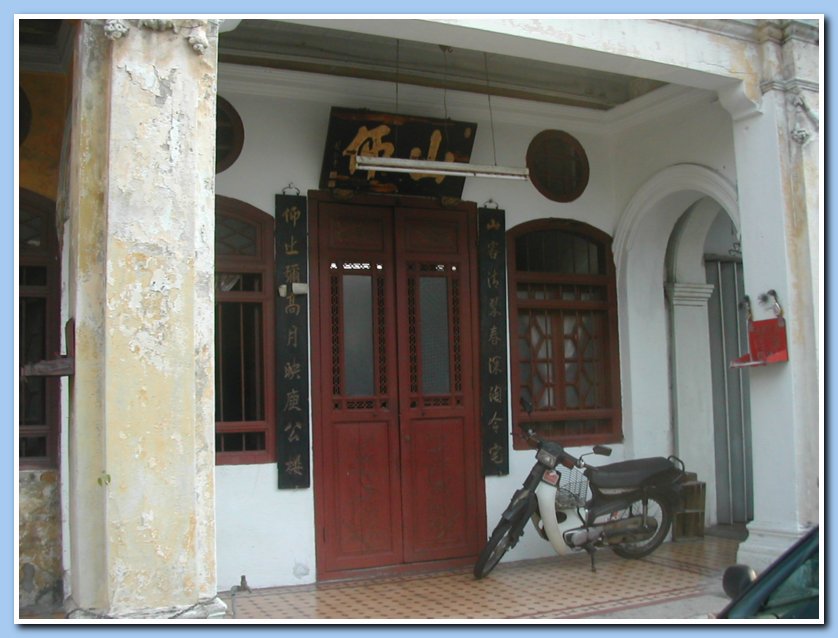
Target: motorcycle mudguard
x,y
521,507
546,495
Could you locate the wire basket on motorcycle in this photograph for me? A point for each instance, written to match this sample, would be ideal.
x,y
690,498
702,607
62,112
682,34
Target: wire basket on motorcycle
x,y
573,488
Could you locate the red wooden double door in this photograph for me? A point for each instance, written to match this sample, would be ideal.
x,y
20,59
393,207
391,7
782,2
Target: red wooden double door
x,y
397,462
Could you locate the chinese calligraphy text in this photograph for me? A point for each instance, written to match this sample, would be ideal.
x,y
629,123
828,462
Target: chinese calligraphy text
x,y
359,132
494,398
292,343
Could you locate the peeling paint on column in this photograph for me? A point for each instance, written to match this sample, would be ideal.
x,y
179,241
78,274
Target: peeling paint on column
x,y
156,321
40,579
87,233
147,299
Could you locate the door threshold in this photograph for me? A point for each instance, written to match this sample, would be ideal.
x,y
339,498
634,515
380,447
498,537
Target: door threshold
x,y
397,571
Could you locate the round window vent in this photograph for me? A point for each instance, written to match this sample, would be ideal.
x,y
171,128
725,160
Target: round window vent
x,y
558,165
229,135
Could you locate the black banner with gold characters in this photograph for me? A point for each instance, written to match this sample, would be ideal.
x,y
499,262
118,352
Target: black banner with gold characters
x,y
355,132
292,395
494,366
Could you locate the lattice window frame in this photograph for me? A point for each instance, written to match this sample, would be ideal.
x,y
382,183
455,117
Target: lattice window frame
x,y
39,249
559,297
377,273
451,274
259,434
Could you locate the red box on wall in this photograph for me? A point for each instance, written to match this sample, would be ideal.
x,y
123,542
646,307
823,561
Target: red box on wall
x,y
767,343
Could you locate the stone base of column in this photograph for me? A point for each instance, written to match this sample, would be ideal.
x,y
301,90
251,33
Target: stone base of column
x,y
763,546
211,608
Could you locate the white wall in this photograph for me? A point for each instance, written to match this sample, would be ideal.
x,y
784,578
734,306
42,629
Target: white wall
x,y
665,166
263,533
268,534
699,133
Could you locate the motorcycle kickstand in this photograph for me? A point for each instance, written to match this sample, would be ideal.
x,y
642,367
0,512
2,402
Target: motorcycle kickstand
x,y
591,549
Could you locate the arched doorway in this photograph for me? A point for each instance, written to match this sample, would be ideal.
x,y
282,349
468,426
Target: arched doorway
x,y
664,233
704,247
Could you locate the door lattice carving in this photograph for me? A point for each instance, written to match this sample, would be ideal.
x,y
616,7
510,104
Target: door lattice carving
x,y
397,420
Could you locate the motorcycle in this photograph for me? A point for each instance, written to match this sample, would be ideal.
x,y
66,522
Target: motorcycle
x,y
630,507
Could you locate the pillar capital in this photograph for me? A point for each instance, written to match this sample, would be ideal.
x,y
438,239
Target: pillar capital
x,y
685,294
196,32
738,103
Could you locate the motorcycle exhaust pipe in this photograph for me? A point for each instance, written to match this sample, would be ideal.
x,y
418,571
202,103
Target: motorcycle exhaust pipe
x,y
625,530
629,530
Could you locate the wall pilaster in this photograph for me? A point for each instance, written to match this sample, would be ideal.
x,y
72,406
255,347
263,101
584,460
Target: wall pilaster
x,y
142,231
693,384
779,219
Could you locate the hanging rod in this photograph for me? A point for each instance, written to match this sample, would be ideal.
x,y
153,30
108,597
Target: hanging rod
x,y
429,167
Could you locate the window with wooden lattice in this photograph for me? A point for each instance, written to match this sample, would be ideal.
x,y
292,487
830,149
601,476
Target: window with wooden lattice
x,y
39,337
244,334
563,318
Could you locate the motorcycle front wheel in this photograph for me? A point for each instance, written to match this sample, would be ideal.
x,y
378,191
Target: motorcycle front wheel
x,y
658,510
503,538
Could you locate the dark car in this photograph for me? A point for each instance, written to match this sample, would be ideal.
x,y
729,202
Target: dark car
x,y
788,589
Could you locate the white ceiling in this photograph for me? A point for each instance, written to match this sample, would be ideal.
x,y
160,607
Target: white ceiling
x,y
315,49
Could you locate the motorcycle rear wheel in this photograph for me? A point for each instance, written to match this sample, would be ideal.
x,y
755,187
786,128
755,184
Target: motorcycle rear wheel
x,y
660,511
503,538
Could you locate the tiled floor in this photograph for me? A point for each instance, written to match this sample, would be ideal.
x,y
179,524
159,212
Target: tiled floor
x,y
679,581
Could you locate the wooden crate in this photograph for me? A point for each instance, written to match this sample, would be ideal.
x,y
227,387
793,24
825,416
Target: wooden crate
x,y
689,523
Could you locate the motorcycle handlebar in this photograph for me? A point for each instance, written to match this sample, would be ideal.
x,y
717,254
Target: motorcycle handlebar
x,y
566,459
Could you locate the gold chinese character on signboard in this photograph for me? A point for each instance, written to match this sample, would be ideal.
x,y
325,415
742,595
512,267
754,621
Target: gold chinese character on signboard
x,y
291,247
494,307
496,394
369,142
293,430
292,401
496,454
294,466
292,370
494,334
292,307
493,364
433,149
292,337
292,215
493,250
495,422
292,273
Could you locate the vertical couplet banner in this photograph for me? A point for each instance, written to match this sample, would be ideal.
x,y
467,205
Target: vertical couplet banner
x,y
292,391
494,366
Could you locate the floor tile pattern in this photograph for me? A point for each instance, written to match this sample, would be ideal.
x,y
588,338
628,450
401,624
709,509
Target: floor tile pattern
x,y
565,588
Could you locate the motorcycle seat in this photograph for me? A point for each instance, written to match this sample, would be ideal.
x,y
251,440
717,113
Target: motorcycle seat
x,y
633,473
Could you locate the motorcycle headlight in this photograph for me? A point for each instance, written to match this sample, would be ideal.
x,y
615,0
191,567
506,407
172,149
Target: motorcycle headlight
x,y
546,458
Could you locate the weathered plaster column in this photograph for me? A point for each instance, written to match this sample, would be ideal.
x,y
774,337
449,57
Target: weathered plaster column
x,y
693,383
778,213
141,291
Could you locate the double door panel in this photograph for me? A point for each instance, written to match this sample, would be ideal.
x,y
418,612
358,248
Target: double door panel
x,y
397,444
